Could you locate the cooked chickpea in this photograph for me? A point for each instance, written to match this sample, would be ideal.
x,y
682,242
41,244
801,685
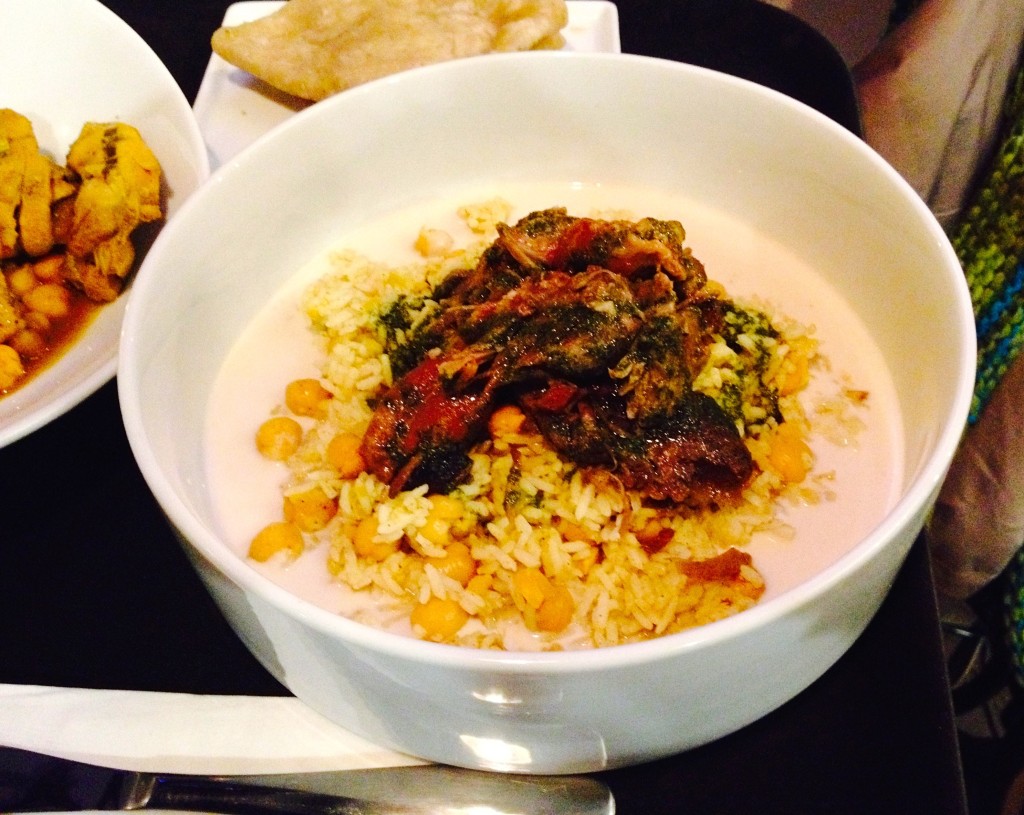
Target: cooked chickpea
x,y
457,563
438,619
311,510
532,586
444,510
433,242
365,543
51,299
21,281
276,537
11,369
38,321
789,454
49,269
306,397
278,437
28,343
555,612
344,456
552,605
435,530
480,584
795,376
446,507
506,421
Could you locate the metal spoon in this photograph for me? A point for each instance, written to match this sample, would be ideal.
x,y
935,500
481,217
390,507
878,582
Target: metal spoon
x,y
426,790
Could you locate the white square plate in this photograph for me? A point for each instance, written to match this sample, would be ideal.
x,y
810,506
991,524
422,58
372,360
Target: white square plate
x,y
234,108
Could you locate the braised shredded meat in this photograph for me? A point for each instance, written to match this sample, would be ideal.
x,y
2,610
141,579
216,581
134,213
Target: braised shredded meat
x,y
596,330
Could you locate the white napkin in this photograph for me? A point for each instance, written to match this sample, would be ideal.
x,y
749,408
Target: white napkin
x,y
182,733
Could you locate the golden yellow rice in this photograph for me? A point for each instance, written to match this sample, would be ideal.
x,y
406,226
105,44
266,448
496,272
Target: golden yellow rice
x,y
525,512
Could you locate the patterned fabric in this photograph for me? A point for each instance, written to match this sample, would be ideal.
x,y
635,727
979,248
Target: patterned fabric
x,y
989,241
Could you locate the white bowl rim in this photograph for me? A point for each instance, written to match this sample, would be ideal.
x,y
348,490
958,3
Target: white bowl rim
x,y
33,418
28,423
372,639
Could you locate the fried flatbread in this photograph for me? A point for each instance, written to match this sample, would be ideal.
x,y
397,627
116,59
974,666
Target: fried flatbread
x,y
315,48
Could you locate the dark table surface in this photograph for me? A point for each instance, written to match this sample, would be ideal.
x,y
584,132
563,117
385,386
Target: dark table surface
x,y
95,592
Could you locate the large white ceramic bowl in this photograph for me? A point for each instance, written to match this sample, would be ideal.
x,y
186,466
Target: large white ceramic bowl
x,y
769,163
64,63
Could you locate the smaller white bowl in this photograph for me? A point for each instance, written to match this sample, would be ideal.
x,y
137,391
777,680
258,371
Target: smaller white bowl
x,y
65,63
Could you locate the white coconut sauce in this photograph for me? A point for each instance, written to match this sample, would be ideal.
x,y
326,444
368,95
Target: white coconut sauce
x,y
865,475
